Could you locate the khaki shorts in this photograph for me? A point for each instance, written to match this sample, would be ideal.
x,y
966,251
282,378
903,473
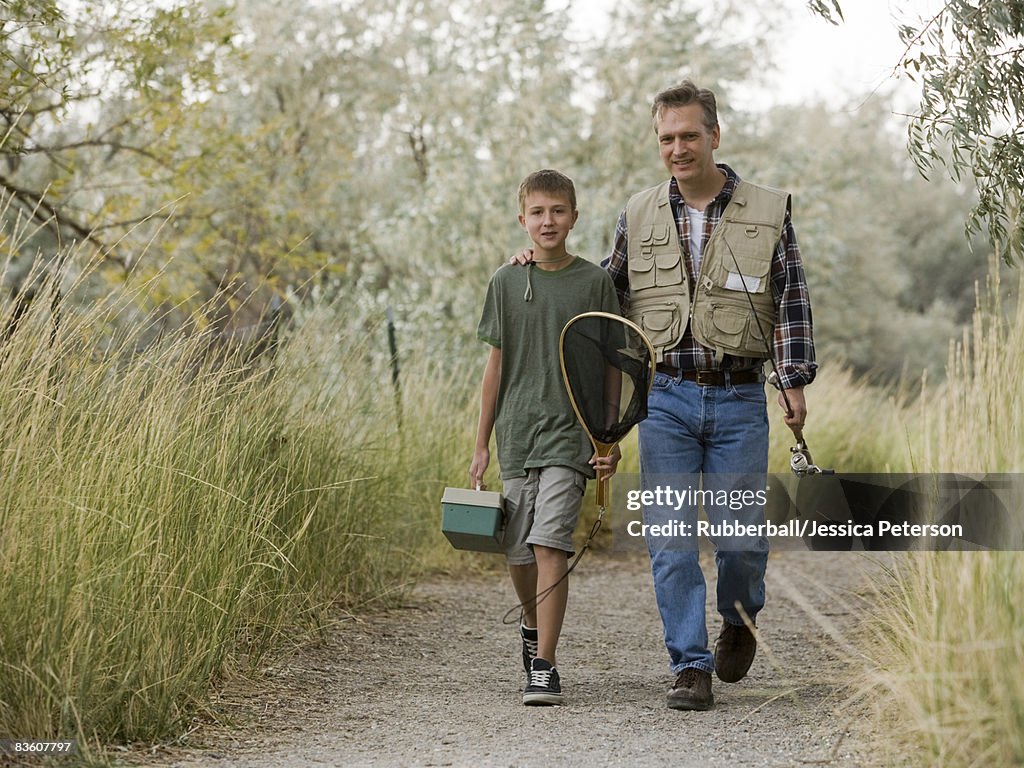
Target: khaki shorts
x,y
542,508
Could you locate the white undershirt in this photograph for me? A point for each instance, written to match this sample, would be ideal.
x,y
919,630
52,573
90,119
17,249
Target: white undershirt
x,y
696,236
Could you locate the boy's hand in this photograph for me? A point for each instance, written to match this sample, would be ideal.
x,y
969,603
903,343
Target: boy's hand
x,y
525,256
481,458
606,465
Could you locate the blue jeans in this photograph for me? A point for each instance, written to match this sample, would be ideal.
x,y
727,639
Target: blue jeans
x,y
714,438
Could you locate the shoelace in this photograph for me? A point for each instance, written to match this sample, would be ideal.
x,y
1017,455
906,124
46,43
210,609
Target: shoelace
x,y
687,678
540,678
531,645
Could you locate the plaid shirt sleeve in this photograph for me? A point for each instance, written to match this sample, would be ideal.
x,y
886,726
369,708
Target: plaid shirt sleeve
x,y
616,264
794,337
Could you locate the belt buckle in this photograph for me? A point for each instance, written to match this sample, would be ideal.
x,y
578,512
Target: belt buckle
x,y
707,378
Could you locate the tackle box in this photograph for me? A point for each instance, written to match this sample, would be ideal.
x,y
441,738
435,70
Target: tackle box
x,y
473,520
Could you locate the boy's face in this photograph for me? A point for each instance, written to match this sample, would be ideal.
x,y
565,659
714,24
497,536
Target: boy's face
x,y
547,219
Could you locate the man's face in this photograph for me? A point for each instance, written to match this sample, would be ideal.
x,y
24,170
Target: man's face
x,y
685,143
547,219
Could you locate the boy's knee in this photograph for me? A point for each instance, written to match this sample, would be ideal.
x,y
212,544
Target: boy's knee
x,y
549,554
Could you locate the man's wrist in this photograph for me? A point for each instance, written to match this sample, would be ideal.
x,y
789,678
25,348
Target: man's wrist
x,y
793,376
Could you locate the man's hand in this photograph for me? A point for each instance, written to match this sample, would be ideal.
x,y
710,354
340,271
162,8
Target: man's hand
x,y
481,458
606,465
525,256
796,414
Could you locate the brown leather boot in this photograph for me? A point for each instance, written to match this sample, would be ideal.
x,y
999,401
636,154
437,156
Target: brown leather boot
x,y
692,690
734,652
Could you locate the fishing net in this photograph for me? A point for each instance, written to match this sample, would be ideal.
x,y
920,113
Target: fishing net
x,y
608,367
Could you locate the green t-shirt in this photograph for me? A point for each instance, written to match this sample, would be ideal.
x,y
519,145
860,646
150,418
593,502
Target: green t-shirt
x,y
535,425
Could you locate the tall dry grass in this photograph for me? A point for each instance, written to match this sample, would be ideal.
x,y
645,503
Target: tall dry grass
x,y
947,644
170,514
947,635
851,426
974,422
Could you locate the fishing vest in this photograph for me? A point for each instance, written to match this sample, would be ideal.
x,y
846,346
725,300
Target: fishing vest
x,y
737,256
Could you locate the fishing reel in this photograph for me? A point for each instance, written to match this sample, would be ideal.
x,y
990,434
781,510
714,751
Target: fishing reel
x,y
800,460
801,463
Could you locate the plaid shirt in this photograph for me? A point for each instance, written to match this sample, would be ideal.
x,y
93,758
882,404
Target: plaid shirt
x,y
794,342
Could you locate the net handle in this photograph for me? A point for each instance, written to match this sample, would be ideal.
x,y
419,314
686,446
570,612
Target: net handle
x,y
603,450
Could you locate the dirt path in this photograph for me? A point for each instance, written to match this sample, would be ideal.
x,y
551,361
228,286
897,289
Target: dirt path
x,y
438,683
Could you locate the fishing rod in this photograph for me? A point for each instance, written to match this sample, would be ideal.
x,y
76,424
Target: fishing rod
x,y
800,461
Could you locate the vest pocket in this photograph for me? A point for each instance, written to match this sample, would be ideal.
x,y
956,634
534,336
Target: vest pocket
x,y
641,272
754,329
669,267
654,235
727,326
747,263
732,329
661,321
650,265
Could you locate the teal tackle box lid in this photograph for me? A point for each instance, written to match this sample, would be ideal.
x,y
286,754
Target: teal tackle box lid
x,y
473,520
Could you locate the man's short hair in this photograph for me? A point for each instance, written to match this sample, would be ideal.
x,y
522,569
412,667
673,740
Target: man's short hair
x,y
683,95
549,181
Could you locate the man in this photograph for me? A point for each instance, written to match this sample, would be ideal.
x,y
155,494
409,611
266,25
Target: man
x,y
709,267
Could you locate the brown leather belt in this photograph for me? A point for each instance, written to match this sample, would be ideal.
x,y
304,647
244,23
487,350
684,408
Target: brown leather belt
x,y
713,378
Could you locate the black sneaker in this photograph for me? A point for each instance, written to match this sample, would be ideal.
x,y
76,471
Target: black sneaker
x,y
529,637
544,688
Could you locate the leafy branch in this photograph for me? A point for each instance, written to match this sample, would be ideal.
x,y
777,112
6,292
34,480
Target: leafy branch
x,y
968,62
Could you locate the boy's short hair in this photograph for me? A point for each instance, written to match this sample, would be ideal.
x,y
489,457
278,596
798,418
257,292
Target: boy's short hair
x,y
682,95
550,181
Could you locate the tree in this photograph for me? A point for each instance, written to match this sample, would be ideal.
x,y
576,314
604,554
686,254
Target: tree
x,y
967,59
647,46
84,89
492,91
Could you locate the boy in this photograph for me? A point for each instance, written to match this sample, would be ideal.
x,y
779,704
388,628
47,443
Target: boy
x,y
544,454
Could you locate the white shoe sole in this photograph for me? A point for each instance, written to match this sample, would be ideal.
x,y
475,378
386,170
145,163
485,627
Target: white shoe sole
x,y
542,699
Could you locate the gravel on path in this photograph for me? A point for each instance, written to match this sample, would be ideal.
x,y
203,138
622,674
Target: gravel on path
x,y
438,682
